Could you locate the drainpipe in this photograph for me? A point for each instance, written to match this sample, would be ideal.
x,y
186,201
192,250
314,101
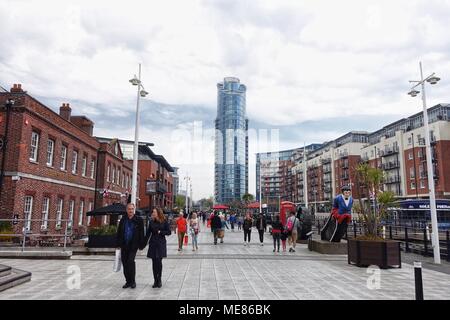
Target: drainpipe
x,y
8,105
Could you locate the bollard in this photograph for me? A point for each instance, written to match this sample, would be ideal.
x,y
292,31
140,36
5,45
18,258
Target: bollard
x,y
418,280
354,229
406,240
448,245
425,242
318,226
390,232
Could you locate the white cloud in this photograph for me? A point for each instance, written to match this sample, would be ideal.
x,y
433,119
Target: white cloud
x,y
300,60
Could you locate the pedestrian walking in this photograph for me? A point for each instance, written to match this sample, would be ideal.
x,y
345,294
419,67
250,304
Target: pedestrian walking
x,y
222,229
181,230
283,237
240,220
194,230
130,238
277,228
157,245
232,221
292,227
247,226
261,226
216,226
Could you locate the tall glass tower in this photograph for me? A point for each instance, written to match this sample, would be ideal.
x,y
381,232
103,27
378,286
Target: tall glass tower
x,y
231,142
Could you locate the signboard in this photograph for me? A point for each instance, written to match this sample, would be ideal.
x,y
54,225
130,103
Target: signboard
x,y
15,219
150,186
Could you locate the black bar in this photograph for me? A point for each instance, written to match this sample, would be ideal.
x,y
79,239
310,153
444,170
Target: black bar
x,y
425,242
448,245
318,227
406,240
390,232
418,280
354,228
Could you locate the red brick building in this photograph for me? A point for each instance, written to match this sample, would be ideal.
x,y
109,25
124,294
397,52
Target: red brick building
x,y
54,168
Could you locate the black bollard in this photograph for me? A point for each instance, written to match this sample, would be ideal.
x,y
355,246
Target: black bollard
x,y
448,245
418,280
425,242
406,240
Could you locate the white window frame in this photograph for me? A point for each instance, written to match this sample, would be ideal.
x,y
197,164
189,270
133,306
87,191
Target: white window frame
x,y
412,173
50,152
74,161
59,211
113,175
34,146
410,155
118,176
123,179
91,206
80,213
84,165
413,185
108,173
71,209
28,211
45,210
422,184
63,165
92,173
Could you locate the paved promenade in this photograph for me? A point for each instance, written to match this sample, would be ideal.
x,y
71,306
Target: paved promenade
x,y
224,271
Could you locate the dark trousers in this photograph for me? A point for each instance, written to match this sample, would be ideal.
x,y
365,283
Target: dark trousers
x,y
261,235
276,241
129,266
247,233
157,269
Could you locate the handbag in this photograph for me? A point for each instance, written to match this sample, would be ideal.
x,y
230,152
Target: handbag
x,y
117,261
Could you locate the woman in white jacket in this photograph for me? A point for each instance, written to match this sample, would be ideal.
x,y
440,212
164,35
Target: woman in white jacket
x,y
194,230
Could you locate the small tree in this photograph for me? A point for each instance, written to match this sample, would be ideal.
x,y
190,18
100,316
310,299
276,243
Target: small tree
x,y
369,181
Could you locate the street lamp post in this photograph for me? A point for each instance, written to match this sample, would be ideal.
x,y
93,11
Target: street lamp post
x,y
136,81
432,79
8,105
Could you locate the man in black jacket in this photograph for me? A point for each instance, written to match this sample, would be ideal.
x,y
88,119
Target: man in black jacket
x,y
130,238
261,225
216,226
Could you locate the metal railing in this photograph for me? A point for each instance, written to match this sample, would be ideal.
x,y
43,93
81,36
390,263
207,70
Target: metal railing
x,y
414,237
43,237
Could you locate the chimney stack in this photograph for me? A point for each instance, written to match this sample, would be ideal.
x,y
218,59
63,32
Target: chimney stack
x,y
65,111
17,88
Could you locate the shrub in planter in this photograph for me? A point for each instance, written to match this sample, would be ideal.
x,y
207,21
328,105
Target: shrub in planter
x,y
370,248
5,229
102,237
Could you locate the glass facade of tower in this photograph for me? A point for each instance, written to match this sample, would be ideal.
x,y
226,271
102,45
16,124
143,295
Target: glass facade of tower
x,y
231,142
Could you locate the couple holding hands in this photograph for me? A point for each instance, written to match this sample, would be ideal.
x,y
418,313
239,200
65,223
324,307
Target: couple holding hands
x,y
130,238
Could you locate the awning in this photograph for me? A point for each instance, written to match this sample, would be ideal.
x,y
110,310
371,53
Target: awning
x,y
254,205
220,206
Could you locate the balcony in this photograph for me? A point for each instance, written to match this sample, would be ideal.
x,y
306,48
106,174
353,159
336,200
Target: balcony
x,y
345,165
392,179
326,169
390,165
326,160
389,151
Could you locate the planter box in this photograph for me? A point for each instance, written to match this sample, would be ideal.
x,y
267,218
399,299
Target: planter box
x,y
384,254
97,241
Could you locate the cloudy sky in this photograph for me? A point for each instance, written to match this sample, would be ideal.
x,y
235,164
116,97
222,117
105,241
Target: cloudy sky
x,y
314,69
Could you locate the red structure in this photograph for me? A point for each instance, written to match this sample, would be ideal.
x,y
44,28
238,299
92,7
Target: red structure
x,y
285,208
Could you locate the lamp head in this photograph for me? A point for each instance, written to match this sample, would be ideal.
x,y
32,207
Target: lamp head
x,y
135,81
143,93
413,93
433,80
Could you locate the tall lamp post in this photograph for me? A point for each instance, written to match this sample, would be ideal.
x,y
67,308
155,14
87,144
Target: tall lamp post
x,y
187,178
3,144
432,79
136,81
